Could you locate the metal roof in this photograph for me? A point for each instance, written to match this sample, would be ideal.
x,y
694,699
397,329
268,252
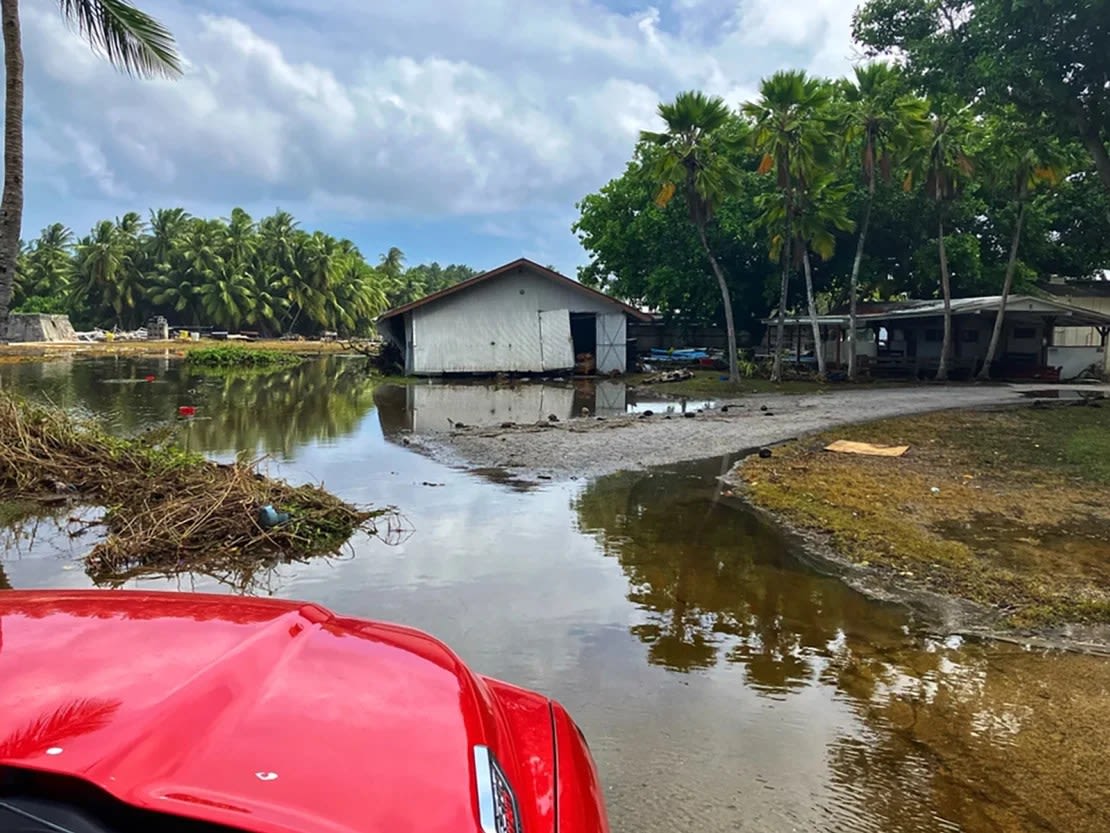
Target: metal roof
x,y
1067,315
508,268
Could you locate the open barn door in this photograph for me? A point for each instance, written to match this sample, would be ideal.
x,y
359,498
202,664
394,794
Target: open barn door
x,y
612,343
556,346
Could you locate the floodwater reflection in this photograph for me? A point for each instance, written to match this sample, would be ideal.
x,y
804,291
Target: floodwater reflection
x,y
431,407
723,685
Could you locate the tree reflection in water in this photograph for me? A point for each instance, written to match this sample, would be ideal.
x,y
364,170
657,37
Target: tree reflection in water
x,y
265,411
980,738
714,581
251,412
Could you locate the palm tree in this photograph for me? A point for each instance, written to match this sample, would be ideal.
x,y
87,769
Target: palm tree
x,y
50,263
819,206
822,205
881,123
127,37
693,158
944,164
794,138
101,258
1021,163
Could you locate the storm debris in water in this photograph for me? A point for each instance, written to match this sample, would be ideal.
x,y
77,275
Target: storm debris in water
x,y
168,508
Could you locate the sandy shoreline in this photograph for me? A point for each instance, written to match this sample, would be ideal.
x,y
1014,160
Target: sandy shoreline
x,y
588,447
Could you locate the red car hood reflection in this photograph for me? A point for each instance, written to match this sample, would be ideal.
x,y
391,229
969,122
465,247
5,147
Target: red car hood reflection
x,y
267,715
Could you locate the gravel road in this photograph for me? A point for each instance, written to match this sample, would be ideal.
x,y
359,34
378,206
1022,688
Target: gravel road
x,y
590,447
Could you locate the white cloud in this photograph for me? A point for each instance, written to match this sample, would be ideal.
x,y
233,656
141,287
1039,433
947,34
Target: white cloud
x,y
417,110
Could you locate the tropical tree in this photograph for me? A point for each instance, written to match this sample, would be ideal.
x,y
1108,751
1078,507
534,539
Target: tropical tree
x,y
1048,59
943,164
49,264
794,137
694,159
819,209
1020,161
130,39
881,121
100,262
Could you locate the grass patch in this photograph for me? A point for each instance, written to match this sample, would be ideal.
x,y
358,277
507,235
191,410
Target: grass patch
x,y
235,356
167,509
1010,509
709,383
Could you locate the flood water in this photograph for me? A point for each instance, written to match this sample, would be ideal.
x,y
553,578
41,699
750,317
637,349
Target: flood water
x,y
723,685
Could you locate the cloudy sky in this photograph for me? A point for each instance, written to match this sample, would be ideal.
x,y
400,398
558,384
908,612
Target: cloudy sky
x,y
459,130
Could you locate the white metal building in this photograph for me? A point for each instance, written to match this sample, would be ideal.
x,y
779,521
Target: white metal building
x,y
518,318
907,336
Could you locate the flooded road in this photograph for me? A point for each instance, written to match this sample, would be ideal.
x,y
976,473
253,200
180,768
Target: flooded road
x,y
723,685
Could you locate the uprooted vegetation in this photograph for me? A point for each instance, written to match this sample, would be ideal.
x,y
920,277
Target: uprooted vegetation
x,y
165,508
1010,509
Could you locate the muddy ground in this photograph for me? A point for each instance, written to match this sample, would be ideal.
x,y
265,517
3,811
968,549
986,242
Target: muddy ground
x,y
587,446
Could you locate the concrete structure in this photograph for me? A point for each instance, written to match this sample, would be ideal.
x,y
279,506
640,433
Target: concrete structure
x,y
905,337
518,318
1090,295
33,326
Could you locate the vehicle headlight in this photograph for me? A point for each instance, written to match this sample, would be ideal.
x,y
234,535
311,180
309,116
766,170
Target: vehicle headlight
x,y
498,811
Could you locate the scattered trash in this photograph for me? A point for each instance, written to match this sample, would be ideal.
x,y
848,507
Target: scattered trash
x,y
585,412
763,407
870,449
648,414
187,411
765,453
724,409
508,425
552,418
269,517
669,376
455,425
935,490
433,485
543,476
690,414
149,377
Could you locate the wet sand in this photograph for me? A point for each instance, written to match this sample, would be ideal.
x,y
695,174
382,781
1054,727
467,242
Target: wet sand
x,y
589,447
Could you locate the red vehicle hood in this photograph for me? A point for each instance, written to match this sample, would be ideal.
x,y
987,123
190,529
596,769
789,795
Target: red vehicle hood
x,y
260,714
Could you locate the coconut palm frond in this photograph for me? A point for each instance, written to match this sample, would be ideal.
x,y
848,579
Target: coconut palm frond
x,y
130,39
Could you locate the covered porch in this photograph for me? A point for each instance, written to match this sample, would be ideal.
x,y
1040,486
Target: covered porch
x,y
904,338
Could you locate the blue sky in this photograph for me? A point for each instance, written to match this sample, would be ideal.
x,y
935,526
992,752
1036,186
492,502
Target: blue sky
x,y
461,131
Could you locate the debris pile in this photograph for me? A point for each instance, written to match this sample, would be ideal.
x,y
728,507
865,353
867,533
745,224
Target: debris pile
x,y
166,508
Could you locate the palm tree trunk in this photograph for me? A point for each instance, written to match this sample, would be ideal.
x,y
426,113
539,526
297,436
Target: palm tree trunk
x,y
726,299
946,290
11,204
776,367
1011,267
854,290
818,345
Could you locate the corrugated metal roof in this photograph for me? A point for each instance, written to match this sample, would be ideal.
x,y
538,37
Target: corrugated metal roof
x,y
1077,289
523,262
932,308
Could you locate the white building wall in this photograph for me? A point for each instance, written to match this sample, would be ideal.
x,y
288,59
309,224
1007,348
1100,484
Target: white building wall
x,y
494,326
1072,361
612,343
1082,336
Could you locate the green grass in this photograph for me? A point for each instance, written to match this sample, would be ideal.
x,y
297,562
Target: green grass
x,y
709,383
234,356
1018,520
